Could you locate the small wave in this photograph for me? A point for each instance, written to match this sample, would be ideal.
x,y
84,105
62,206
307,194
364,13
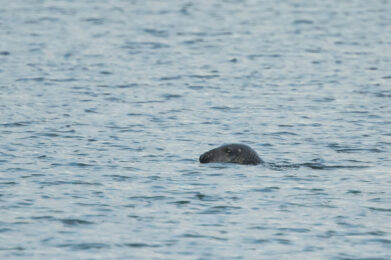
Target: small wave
x,y
16,124
358,150
8,183
4,230
117,177
171,96
145,45
181,202
204,197
219,210
380,240
195,235
18,248
94,20
353,192
282,133
76,182
75,222
203,76
37,79
170,78
157,33
266,189
380,209
85,246
147,198
320,166
297,230
139,245
303,21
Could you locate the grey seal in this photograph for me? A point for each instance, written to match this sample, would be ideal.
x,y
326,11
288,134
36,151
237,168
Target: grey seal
x,y
231,153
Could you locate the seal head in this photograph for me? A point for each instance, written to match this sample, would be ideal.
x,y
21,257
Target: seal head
x,y
231,153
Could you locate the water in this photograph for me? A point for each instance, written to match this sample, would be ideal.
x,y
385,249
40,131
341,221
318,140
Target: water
x,y
106,106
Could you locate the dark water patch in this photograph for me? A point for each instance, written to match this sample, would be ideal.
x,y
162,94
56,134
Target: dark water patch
x,y
145,45
17,124
91,110
75,222
4,230
76,182
386,93
78,164
302,21
4,53
193,41
359,150
115,99
296,230
84,246
282,241
282,167
263,55
380,209
377,233
63,80
119,178
171,96
346,224
282,133
381,241
170,78
324,99
157,33
17,248
314,50
42,217
320,166
196,235
129,85
203,76
354,192
223,108
149,101
94,20
48,134
351,257
37,79
204,197
181,202
140,245
266,189
148,198
258,241
6,183
220,210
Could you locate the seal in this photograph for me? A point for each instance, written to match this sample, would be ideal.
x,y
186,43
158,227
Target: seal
x,y
231,153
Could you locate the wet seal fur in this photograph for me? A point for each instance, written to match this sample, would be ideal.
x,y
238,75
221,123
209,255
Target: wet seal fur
x,y
231,153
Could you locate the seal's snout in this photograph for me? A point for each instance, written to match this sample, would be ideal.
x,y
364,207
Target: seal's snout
x,y
204,158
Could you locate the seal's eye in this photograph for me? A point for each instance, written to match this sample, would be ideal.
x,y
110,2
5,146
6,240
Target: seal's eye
x,y
228,150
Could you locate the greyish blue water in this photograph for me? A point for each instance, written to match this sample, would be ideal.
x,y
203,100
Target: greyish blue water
x,y
106,106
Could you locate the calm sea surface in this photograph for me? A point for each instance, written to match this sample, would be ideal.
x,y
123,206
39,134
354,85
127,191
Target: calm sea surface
x,y
105,107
